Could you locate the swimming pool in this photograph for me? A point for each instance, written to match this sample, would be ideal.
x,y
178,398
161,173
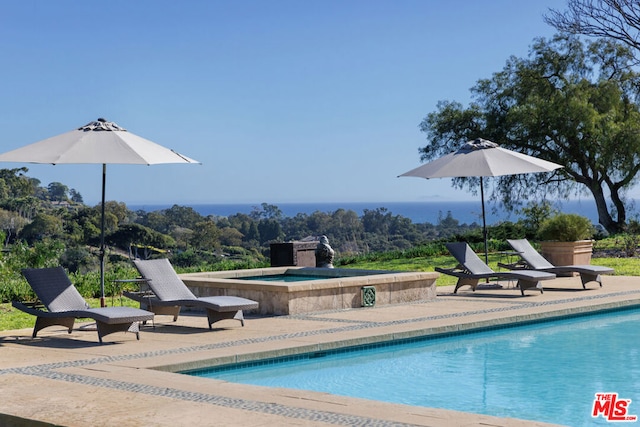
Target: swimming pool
x,y
545,372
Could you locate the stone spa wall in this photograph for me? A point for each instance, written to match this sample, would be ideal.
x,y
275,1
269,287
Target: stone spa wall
x,y
338,289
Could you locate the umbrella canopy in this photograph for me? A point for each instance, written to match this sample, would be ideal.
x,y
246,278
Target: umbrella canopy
x,y
481,158
98,142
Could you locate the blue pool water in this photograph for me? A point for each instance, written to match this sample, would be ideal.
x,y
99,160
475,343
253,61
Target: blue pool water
x,y
284,278
547,372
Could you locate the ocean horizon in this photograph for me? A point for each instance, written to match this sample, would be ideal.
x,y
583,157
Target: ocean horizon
x,y
466,212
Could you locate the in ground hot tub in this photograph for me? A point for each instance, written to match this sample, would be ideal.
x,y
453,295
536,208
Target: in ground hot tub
x,y
295,290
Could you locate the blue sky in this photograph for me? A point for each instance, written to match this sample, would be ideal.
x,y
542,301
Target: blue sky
x,y
282,101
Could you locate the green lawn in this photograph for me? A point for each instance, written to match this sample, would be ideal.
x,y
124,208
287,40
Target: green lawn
x,y
11,318
622,266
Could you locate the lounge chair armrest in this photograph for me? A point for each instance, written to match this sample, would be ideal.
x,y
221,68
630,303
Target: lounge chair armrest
x,y
458,272
447,270
140,296
35,309
512,265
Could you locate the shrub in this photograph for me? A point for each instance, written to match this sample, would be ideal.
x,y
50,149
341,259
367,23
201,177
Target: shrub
x,y
566,228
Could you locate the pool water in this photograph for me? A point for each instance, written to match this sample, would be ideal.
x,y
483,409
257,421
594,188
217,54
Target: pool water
x,y
548,371
285,277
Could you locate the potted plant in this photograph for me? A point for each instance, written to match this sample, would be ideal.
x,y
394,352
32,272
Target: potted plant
x,y
565,239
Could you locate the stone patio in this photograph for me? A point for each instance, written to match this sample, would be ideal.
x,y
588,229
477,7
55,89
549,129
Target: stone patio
x,y
71,380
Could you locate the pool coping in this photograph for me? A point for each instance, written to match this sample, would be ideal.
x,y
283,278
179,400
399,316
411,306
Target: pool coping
x,y
374,341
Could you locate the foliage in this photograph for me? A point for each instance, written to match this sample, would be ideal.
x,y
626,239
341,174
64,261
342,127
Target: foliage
x,y
41,254
43,226
419,258
508,230
57,191
266,211
615,19
570,103
566,228
79,259
11,223
140,235
534,214
206,235
191,257
181,216
197,243
11,319
14,184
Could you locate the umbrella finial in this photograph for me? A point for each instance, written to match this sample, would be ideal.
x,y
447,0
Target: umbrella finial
x,y
479,144
101,124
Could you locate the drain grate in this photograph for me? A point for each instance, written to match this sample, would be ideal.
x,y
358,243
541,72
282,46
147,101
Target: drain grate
x,y
368,296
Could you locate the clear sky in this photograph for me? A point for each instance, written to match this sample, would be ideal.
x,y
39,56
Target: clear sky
x,y
281,100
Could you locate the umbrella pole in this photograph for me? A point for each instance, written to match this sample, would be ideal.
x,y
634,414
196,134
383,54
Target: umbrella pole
x,y
104,178
484,225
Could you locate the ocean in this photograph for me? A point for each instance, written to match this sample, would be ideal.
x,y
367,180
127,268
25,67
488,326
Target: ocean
x,y
418,212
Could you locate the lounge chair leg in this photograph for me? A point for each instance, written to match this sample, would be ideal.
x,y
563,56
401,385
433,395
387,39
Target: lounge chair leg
x,y
586,278
526,284
106,329
215,316
167,310
45,322
239,316
466,281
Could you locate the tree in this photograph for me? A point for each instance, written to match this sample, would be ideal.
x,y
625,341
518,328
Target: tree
x,y
206,235
376,221
136,234
247,226
119,210
84,226
42,226
11,223
534,214
57,191
269,231
154,220
570,103
183,216
229,236
346,228
26,207
75,196
14,184
613,19
266,211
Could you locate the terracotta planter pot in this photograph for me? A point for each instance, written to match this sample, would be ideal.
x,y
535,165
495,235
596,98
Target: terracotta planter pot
x,y
568,253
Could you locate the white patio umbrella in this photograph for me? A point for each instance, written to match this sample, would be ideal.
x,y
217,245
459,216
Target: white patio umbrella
x,y
98,142
481,158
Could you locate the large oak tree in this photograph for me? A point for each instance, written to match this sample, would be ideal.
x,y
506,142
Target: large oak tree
x,y
568,102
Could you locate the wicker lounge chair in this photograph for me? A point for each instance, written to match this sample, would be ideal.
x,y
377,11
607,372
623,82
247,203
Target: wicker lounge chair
x,y
533,260
169,294
64,304
471,269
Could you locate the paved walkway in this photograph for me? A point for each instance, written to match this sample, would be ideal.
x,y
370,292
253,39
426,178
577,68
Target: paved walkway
x,y
71,380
